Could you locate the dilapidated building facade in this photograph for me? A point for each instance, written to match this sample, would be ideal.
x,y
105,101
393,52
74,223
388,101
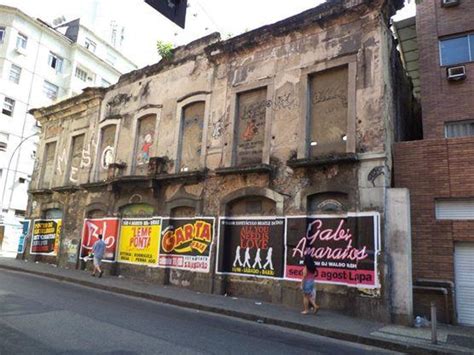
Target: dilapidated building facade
x,y
294,118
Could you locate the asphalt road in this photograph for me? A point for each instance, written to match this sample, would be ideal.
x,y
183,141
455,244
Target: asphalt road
x,y
43,316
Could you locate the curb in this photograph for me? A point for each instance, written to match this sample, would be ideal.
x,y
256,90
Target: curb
x,y
365,340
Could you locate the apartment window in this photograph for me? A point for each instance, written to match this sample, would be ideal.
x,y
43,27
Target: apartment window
x,y
50,90
3,147
104,83
15,73
90,45
8,106
459,129
20,213
81,74
111,59
457,50
2,34
55,62
462,209
21,41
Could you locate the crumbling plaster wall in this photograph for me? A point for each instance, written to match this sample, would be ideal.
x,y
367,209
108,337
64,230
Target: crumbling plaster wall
x,y
280,61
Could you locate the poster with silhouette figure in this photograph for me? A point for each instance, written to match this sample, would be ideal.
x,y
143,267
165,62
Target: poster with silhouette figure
x,y
251,246
344,248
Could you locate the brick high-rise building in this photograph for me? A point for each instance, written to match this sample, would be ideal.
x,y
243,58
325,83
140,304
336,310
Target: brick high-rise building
x,y
439,169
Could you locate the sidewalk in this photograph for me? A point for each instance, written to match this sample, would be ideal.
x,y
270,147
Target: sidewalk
x,y
452,339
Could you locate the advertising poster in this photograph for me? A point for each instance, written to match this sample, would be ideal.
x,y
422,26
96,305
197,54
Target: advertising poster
x,y
251,246
24,234
344,248
108,227
45,237
186,243
139,241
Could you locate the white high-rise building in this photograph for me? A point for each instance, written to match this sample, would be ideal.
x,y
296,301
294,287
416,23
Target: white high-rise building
x,y
40,65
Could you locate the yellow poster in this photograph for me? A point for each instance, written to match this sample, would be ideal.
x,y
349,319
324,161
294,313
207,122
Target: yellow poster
x,y
139,241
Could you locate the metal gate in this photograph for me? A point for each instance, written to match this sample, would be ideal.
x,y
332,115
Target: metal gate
x,y
464,277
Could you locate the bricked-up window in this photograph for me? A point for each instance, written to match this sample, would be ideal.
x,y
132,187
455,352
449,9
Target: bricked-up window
x,y
144,141
460,129
48,164
192,121
106,149
250,126
251,205
77,145
328,111
457,50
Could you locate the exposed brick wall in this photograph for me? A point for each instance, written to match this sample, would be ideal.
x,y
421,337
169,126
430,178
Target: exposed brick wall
x,y
432,169
442,101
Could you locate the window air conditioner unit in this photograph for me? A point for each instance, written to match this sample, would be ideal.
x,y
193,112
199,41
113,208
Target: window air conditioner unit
x,y
456,73
449,3
20,50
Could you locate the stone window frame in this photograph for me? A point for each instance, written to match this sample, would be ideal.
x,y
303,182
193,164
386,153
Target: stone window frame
x,y
42,161
180,106
231,157
142,113
102,125
71,137
305,116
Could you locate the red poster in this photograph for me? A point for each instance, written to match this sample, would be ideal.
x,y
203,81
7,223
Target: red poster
x,y
108,227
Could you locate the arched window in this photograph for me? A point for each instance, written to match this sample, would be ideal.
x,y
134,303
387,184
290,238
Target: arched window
x,y
191,135
144,144
251,205
53,213
137,210
327,202
106,153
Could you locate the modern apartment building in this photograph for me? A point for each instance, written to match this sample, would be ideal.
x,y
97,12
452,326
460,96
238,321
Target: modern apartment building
x,y
40,65
439,170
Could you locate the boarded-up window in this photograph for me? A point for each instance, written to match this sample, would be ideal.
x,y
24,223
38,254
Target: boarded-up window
x,y
106,150
48,164
137,210
183,211
145,140
191,136
252,205
76,156
250,126
328,125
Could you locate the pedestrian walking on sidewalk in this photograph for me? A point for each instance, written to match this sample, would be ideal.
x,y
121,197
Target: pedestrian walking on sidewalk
x,y
98,249
307,285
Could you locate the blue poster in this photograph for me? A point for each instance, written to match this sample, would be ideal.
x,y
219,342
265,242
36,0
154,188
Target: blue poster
x,y
24,235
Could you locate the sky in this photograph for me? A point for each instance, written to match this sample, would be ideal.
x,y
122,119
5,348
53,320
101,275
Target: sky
x,y
143,25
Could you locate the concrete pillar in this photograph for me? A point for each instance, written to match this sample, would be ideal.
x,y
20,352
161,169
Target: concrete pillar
x,y
398,249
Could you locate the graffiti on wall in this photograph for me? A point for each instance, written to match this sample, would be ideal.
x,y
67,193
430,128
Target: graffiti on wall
x,y
144,142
